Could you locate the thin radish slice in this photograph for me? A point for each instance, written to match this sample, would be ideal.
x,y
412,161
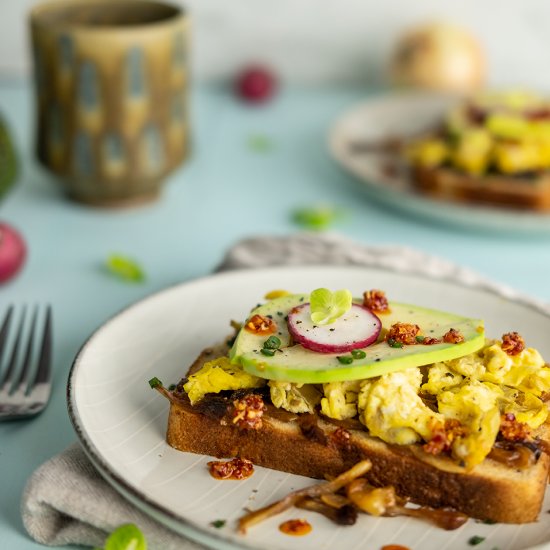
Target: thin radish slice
x,y
355,329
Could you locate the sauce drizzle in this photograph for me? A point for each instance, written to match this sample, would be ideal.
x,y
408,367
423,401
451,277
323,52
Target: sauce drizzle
x,y
295,527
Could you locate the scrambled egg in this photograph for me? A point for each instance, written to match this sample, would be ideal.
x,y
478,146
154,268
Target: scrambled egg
x,y
296,398
217,375
474,405
392,410
478,388
340,399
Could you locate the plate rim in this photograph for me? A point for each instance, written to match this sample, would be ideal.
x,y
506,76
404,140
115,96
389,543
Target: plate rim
x,y
537,223
173,521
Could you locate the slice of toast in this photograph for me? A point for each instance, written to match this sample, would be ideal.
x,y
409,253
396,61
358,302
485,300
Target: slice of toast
x,y
515,192
315,446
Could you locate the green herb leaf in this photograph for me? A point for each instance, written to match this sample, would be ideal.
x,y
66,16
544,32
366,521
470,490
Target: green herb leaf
x,y
126,537
317,218
327,306
475,540
394,343
345,359
420,339
125,268
155,382
358,354
273,342
219,523
267,352
260,143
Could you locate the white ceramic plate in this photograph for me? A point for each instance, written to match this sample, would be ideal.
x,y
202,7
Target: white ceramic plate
x,y
405,114
121,422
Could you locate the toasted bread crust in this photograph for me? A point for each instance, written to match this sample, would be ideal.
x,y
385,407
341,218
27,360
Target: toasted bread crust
x,y
520,193
491,492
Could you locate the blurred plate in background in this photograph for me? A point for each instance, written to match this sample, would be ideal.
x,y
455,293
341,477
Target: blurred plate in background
x,y
352,143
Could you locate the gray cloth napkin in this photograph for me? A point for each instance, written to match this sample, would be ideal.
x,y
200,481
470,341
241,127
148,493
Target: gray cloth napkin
x,y
67,502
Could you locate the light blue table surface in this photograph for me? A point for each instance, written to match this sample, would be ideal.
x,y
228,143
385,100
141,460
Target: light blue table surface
x,y
227,191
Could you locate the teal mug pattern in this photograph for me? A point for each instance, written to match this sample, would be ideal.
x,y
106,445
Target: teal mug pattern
x,y
111,84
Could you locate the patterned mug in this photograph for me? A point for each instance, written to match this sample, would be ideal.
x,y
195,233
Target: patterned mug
x,y
111,86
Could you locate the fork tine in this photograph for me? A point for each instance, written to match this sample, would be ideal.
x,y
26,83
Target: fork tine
x,y
25,368
45,357
4,330
15,351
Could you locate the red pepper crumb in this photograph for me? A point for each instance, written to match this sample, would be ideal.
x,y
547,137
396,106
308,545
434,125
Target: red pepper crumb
x,y
512,343
404,333
513,430
375,300
340,438
259,324
429,341
236,468
443,435
247,412
453,336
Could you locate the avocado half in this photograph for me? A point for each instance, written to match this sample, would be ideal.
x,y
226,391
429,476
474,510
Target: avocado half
x,y
294,363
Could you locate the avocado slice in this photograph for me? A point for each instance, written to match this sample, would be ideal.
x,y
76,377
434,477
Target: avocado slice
x,y
294,363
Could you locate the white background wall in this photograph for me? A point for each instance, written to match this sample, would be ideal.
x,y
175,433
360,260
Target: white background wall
x,y
320,40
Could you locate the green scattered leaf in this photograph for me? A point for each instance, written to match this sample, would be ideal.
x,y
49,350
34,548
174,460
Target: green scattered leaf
x,y
155,382
317,218
125,268
260,143
475,540
219,523
273,342
126,537
327,306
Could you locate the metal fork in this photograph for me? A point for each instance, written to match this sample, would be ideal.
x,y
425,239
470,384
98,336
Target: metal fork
x,y
25,384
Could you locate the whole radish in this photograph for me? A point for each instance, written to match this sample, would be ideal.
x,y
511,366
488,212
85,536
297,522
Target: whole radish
x,y
13,252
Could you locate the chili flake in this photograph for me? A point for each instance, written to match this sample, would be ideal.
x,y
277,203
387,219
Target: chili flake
x,y
403,333
443,435
340,438
513,430
236,468
258,324
375,300
512,343
453,336
429,341
247,412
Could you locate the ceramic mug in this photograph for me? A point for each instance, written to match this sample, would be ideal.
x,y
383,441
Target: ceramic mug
x,y
111,86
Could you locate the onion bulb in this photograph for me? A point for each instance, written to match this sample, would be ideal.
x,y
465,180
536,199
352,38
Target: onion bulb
x,y
12,252
439,57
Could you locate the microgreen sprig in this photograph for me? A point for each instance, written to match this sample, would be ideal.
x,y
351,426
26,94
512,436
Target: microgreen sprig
x,y
327,306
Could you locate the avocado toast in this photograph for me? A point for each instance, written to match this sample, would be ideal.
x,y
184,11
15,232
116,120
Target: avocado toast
x,y
446,417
